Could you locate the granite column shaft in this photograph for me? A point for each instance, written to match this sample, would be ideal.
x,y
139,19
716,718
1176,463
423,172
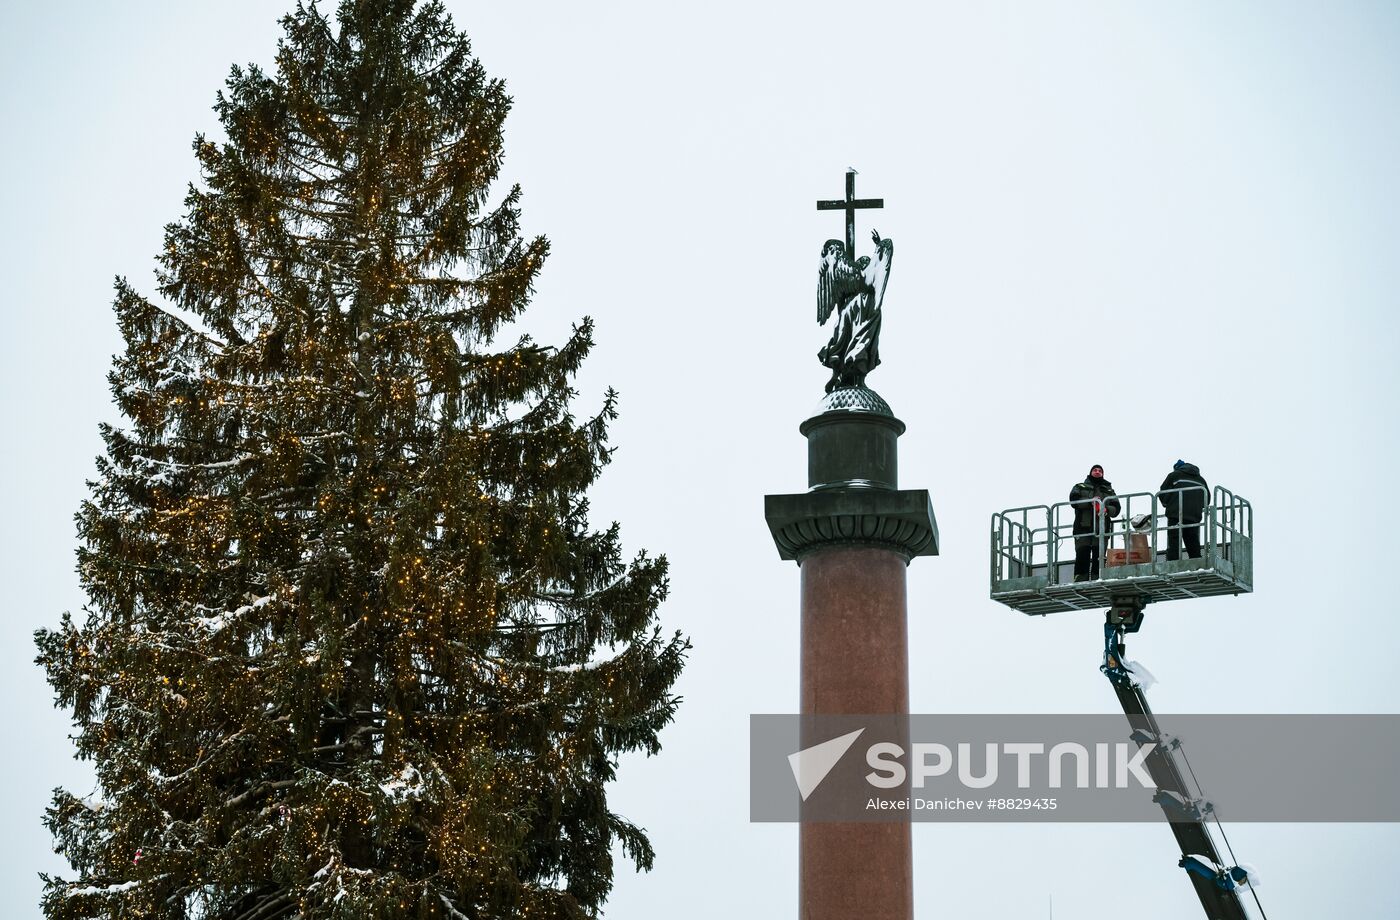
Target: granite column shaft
x,y
855,661
853,533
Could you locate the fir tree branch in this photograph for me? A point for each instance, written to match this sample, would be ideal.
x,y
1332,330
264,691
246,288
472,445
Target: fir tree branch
x,y
261,789
266,908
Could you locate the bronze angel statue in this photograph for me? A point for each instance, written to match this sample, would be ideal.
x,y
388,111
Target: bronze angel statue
x,y
854,291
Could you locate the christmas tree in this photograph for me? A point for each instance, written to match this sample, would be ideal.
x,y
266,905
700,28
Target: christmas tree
x,y
352,648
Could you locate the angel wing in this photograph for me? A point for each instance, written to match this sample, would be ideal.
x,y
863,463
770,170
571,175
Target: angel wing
x,y
837,278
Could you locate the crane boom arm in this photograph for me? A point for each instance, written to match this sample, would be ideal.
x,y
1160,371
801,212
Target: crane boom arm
x,y
1216,885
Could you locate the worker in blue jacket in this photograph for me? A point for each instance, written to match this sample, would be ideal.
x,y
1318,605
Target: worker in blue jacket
x,y
1184,509
1094,500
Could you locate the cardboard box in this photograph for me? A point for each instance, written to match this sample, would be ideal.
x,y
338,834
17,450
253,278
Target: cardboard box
x,y
1138,551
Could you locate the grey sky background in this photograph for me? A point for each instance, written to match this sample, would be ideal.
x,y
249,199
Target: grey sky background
x,y
1124,233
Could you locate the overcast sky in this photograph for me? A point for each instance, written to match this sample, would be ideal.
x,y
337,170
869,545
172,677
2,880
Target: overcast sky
x,y
1125,233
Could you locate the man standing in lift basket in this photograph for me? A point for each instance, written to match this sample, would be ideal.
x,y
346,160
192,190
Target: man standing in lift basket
x,y
1094,500
1184,508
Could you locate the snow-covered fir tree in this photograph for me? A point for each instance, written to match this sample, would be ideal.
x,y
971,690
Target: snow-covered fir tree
x,y
352,648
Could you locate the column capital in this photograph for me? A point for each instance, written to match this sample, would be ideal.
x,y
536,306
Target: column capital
x,y
899,520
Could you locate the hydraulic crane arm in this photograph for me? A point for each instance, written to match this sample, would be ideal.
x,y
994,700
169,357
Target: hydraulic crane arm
x,y
1217,886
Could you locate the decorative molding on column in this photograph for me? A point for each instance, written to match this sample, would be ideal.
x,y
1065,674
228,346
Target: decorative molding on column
x,y
806,522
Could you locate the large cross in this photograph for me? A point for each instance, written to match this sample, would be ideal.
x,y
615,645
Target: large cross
x,y
849,205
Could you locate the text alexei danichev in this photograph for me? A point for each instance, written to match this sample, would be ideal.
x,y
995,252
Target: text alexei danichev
x,y
989,804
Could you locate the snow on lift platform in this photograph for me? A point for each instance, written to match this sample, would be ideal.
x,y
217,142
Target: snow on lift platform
x,y
1032,555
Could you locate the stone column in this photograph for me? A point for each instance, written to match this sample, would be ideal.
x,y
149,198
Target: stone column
x,y
853,533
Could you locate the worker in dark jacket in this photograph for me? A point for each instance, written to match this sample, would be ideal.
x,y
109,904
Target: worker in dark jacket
x,y
1184,508
1093,500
